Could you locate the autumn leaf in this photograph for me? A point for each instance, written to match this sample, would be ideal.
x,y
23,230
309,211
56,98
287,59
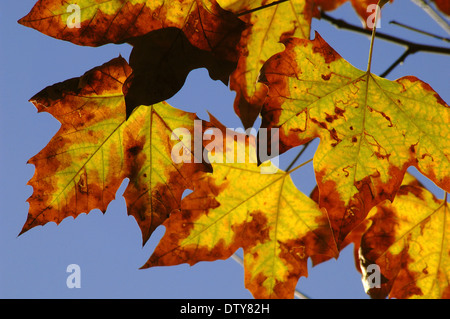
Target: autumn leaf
x,y
409,240
95,149
236,206
157,179
259,41
206,25
82,166
371,129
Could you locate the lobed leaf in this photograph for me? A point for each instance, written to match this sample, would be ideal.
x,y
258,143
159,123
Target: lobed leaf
x,y
236,206
157,182
82,166
267,28
371,129
206,25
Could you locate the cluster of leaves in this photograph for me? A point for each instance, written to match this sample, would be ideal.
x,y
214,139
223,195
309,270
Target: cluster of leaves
x,y
116,125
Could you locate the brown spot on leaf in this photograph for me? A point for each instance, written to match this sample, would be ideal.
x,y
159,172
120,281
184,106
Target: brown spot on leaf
x,y
82,183
339,111
323,48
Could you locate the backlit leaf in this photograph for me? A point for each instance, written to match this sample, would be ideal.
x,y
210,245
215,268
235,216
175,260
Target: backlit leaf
x,y
259,41
157,181
206,25
236,206
82,166
409,240
371,129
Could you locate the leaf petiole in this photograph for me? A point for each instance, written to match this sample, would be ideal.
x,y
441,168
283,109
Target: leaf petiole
x,y
301,165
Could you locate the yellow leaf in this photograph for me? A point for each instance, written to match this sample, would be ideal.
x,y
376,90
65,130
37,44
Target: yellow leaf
x,y
259,41
157,182
409,240
236,206
371,129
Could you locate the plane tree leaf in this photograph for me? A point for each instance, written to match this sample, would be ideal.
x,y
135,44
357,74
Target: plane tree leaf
x,y
409,240
82,166
259,41
206,25
371,129
235,206
96,148
157,178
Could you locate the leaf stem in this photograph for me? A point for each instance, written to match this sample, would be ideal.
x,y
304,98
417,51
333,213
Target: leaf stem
x,y
416,46
372,39
301,165
420,31
298,156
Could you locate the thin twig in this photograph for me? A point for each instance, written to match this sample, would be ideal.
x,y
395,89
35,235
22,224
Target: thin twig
x,y
414,46
401,59
411,46
433,14
297,293
420,31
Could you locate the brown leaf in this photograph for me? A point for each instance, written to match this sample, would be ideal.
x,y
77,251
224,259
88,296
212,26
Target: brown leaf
x,y
161,61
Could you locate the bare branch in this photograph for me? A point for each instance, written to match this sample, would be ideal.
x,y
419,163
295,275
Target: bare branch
x,y
421,31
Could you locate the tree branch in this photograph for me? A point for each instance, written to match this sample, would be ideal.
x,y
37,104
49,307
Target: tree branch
x,y
415,47
396,62
421,31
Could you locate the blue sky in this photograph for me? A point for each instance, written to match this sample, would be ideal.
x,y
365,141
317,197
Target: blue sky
x,y
108,247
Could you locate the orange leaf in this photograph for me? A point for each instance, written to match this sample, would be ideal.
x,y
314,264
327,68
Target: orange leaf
x,y
409,241
236,206
82,166
206,25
